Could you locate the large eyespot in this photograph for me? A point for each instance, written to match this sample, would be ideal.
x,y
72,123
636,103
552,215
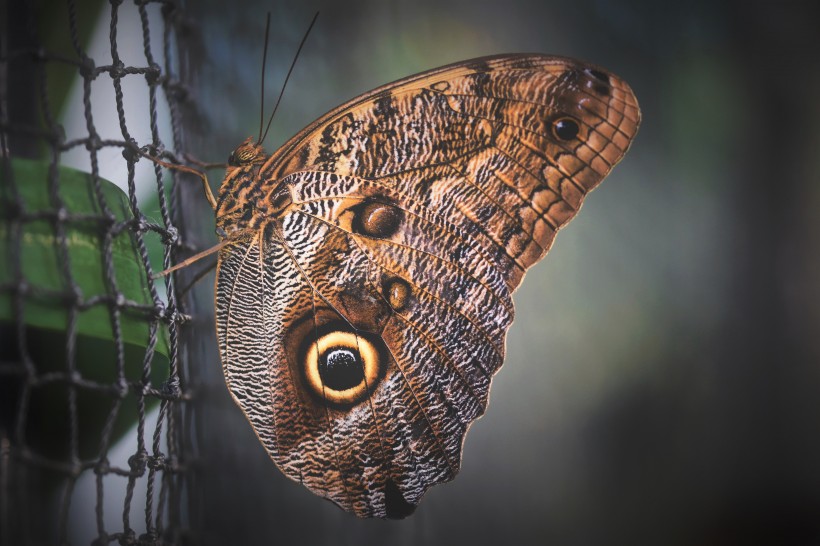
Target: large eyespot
x,y
342,367
565,128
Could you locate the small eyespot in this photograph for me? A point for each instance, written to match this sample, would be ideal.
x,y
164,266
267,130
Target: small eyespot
x,y
598,75
601,82
397,292
565,128
378,220
342,367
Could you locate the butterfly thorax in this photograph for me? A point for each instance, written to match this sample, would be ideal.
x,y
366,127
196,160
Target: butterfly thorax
x,y
247,200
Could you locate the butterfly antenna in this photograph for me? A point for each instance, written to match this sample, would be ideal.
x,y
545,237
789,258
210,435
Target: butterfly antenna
x,y
262,94
282,92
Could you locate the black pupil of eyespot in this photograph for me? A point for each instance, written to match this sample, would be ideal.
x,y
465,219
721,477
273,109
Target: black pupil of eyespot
x,y
566,129
341,369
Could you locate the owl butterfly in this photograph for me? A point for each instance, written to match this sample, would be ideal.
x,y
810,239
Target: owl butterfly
x,y
365,277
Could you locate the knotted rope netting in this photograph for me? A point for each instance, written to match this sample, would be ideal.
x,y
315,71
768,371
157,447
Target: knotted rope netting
x,y
95,440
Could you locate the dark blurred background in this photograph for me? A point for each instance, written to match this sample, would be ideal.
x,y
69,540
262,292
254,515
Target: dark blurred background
x,y
662,384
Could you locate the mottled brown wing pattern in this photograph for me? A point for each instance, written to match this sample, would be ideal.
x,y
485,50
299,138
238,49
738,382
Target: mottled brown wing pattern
x,y
363,306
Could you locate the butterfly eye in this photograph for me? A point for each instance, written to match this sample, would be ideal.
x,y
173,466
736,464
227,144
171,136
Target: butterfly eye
x,y
245,153
565,128
342,367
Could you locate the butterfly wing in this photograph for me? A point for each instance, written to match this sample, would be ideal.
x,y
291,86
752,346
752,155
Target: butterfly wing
x,y
360,326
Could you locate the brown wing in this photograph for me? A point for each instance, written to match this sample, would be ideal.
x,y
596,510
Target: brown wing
x,y
360,327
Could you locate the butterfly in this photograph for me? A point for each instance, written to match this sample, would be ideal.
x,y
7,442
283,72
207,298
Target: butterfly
x,y
366,270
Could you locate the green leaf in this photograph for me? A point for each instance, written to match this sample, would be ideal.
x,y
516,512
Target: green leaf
x,y
31,247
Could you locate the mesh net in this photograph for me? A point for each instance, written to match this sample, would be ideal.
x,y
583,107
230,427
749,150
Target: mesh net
x,y
95,440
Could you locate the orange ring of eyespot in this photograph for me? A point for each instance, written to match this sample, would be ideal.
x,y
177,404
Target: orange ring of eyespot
x,y
368,355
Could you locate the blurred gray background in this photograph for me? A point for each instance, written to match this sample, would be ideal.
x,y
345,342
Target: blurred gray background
x,y
662,384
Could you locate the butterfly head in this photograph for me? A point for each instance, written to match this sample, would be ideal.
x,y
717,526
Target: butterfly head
x,y
247,153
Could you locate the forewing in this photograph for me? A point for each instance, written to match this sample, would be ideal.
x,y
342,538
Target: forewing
x,y
505,148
